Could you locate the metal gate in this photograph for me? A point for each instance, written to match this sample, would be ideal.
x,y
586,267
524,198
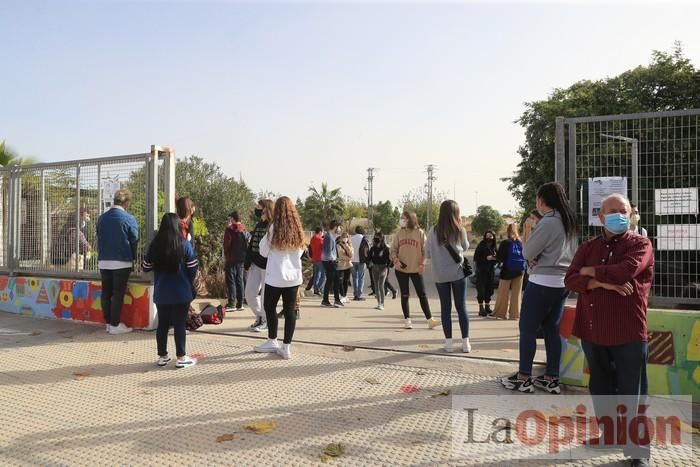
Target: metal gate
x,y
654,159
49,210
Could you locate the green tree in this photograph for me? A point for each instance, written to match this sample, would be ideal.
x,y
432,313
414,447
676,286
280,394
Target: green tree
x,y
417,201
669,82
354,209
385,217
322,205
487,218
9,156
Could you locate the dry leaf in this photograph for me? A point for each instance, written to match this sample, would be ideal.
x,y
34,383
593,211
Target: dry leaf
x,y
325,459
261,427
35,333
446,392
423,346
507,350
348,348
225,437
421,372
685,428
372,381
78,376
334,450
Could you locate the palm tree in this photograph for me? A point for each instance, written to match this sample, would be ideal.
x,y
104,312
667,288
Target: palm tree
x,y
323,205
9,157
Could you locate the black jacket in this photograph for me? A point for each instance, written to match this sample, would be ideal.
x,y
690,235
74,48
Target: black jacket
x,y
379,256
253,255
483,250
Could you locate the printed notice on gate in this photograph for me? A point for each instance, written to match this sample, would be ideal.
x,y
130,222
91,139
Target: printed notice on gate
x,y
669,201
598,189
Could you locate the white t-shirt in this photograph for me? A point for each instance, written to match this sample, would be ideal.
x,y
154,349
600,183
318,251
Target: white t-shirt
x,y
356,240
283,267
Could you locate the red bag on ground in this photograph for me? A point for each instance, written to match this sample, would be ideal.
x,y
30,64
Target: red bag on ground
x,y
212,314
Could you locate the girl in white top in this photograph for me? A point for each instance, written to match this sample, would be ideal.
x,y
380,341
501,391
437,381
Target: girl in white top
x,y
282,245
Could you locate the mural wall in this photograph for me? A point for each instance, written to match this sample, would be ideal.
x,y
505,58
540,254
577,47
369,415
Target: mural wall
x,y
73,299
674,353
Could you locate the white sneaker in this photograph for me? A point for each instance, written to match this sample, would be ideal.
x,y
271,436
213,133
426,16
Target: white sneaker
x,y
121,329
448,345
255,324
284,351
466,345
344,300
270,345
381,307
407,323
432,323
108,328
162,361
261,327
378,307
185,362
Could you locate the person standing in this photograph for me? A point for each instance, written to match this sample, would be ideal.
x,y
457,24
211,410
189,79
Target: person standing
x,y
408,255
174,264
635,218
447,241
380,261
510,285
117,241
360,252
485,260
282,245
185,209
530,224
255,264
330,264
549,251
319,273
613,275
345,253
235,247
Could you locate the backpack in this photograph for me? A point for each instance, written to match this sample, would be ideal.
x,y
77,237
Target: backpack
x,y
364,251
515,260
194,321
212,314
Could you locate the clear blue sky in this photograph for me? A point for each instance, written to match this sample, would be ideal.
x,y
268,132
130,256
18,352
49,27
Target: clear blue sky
x,y
295,94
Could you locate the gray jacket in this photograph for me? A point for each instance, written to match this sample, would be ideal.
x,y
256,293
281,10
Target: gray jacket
x,y
445,268
549,246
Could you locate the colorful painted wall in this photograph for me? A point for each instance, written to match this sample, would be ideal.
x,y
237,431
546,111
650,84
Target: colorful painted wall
x,y
674,353
73,299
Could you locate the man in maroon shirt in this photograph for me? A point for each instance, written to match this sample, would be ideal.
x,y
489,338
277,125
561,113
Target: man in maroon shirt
x,y
612,275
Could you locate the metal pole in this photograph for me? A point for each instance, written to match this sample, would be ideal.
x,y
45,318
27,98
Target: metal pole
x,y
559,151
76,250
169,179
572,166
43,221
635,172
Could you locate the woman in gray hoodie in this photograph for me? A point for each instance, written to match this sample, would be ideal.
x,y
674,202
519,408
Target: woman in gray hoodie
x,y
549,250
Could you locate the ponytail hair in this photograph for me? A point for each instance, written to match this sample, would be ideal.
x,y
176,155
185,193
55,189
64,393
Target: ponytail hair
x,y
552,194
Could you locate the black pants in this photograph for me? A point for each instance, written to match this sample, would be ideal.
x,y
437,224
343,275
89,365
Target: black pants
x,y
418,284
234,284
114,283
175,316
619,370
484,284
344,280
289,302
331,268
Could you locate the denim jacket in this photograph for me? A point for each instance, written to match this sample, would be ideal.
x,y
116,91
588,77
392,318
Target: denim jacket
x,y
117,236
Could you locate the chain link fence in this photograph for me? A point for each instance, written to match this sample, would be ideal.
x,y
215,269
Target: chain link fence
x,y
654,159
50,210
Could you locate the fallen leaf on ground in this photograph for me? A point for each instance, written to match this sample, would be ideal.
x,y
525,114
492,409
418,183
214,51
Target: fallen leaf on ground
x,y
225,437
261,427
421,372
685,428
446,392
423,346
507,350
79,376
334,450
409,389
324,458
348,348
35,333
372,380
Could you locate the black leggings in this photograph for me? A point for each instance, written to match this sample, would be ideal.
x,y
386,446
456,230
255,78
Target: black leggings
x,y
175,316
332,282
289,302
484,284
344,280
417,279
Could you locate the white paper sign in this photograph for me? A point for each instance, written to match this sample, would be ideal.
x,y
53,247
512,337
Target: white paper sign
x,y
677,237
598,189
109,187
675,201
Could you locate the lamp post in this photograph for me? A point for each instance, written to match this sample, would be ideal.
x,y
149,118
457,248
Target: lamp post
x,y
635,163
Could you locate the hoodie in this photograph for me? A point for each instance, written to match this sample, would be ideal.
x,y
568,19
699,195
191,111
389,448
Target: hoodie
x,y
235,244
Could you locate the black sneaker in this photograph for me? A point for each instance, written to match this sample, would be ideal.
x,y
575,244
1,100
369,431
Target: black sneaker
x,y
338,304
549,385
280,314
327,304
514,383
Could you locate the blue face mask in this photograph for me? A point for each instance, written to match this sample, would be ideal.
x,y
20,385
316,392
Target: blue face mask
x,y
617,223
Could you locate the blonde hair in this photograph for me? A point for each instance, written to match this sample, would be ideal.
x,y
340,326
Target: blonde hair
x,y
122,197
512,231
288,233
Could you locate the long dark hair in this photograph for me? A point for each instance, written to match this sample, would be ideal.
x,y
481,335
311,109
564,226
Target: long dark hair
x,y
552,194
380,236
449,226
167,252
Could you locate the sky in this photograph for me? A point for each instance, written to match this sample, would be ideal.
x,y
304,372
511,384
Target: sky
x,y
289,95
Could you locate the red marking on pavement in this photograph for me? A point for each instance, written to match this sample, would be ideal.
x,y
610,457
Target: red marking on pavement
x,y
409,389
197,355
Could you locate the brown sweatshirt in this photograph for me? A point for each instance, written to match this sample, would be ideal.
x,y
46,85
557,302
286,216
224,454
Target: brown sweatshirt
x,y
408,246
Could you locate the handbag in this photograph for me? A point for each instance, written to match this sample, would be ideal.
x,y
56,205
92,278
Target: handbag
x,y
194,320
212,314
466,267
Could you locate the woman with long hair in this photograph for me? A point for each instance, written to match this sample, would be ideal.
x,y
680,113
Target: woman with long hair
x,y
380,260
345,252
255,264
282,245
185,209
510,285
447,242
174,266
485,260
408,255
549,250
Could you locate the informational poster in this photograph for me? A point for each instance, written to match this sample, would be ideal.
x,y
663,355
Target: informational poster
x,y
109,188
678,237
598,189
669,201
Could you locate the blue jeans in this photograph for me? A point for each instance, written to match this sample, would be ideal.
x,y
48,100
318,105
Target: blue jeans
x,y
542,306
358,279
459,291
319,277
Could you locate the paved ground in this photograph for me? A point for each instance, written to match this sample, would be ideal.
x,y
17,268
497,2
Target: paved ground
x,y
73,395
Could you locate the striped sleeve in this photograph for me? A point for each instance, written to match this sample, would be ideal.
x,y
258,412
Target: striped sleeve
x,y
146,264
191,263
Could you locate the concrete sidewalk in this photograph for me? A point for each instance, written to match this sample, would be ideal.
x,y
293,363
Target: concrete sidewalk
x,y
74,395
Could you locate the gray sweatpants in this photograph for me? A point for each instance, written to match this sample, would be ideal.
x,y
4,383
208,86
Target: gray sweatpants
x,y
255,290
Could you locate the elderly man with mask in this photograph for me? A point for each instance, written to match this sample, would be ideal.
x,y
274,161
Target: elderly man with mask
x,y
612,274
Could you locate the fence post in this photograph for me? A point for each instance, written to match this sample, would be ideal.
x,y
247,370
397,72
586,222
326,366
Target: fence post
x,y
76,251
169,179
559,151
572,166
152,195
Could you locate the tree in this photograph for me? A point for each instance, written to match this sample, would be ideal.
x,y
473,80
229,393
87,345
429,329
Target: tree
x,y
385,217
8,156
322,205
487,218
669,82
417,201
354,209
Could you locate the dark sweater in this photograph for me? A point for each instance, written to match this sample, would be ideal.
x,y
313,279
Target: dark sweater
x,y
379,256
253,255
483,250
